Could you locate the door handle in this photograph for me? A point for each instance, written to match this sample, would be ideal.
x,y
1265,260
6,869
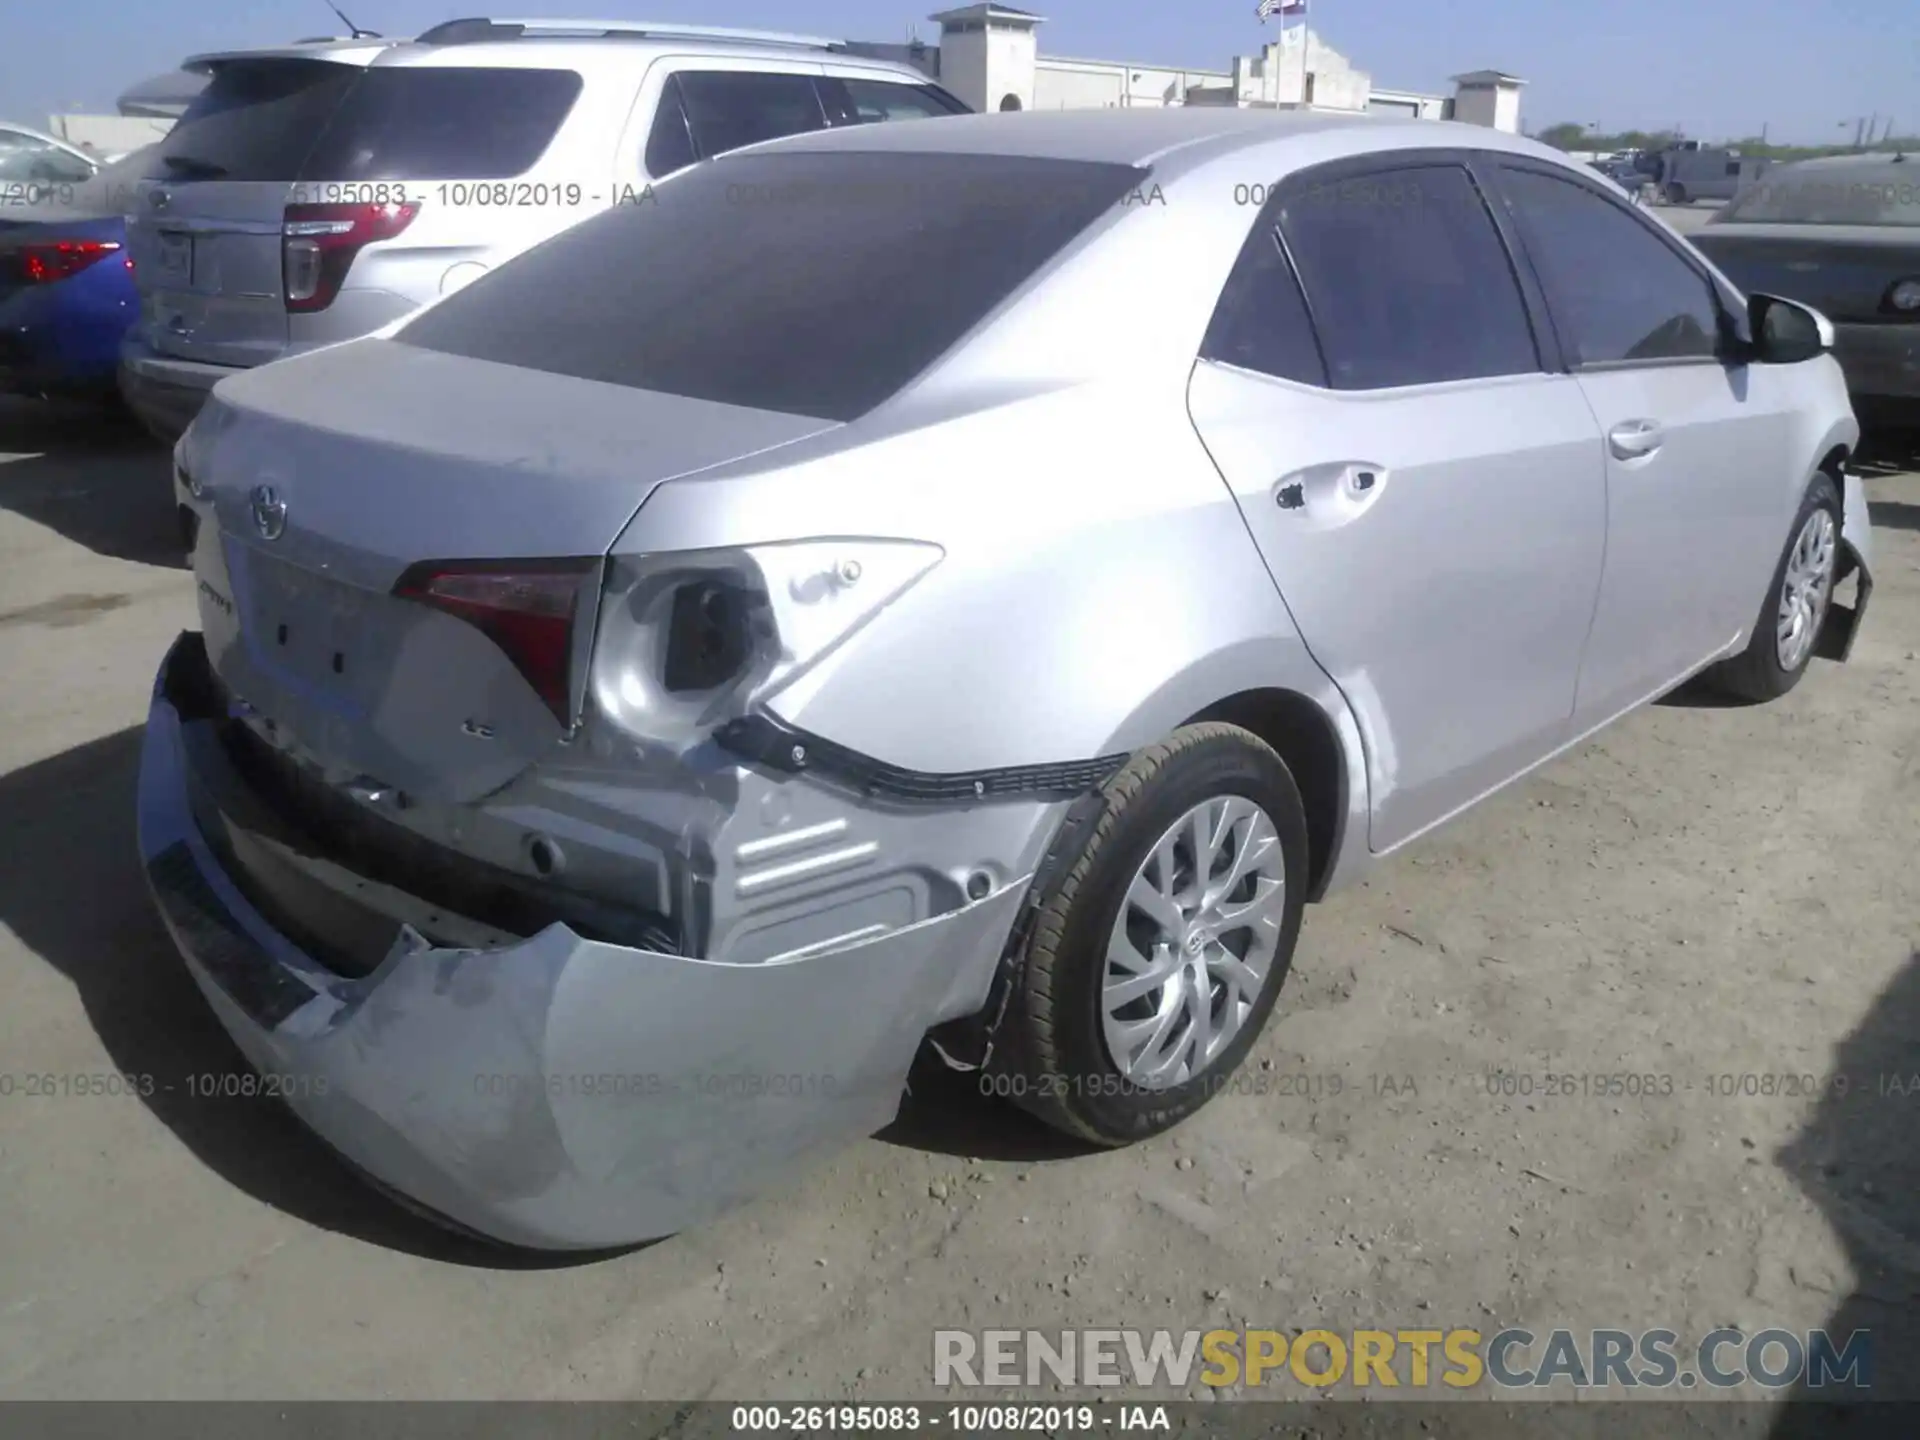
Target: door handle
x,y
1346,486
1635,439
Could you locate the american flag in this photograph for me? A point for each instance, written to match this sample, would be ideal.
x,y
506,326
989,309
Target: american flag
x,y
1270,8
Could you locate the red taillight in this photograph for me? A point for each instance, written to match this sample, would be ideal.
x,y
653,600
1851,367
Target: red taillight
x,y
45,261
318,243
526,607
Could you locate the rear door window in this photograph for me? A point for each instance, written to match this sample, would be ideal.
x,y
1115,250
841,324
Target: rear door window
x,y
1408,279
814,283
670,142
1261,322
290,120
864,101
729,109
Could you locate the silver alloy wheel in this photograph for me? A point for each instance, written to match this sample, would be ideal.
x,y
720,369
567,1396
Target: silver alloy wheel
x,y
1194,941
1805,590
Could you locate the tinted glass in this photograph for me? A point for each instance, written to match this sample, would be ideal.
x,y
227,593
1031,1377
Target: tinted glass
x,y
670,142
24,157
1619,292
1408,279
883,100
1888,195
255,120
1261,322
440,123
312,120
816,284
732,108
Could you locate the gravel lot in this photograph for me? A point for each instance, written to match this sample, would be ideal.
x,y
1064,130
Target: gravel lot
x,y
1703,891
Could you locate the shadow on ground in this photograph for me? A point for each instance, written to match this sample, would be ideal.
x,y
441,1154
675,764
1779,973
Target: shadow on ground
x,y
958,1113
72,890
90,474
1858,1159
1884,452
1894,515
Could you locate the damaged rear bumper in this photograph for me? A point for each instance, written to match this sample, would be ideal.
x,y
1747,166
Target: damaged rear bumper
x,y
554,1092
1842,625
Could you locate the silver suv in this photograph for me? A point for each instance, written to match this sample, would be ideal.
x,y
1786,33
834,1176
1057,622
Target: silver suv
x,y
319,191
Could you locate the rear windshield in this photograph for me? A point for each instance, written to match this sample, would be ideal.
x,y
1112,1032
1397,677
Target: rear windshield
x,y
813,283
1889,196
292,120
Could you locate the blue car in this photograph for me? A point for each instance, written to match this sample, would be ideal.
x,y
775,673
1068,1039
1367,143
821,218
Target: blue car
x,y
66,282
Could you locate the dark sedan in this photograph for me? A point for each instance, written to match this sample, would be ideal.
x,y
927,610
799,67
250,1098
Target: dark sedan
x,y
1842,235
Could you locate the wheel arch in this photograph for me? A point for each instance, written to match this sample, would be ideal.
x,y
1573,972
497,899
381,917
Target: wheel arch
x,y
1306,738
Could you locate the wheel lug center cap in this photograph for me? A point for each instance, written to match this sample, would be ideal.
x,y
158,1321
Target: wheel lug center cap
x,y
1198,938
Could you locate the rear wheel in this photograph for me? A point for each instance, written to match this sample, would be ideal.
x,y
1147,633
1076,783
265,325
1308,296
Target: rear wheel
x,y
1788,628
1158,955
1676,194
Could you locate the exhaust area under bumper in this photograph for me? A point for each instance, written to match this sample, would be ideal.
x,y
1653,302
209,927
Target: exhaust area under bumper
x,y
557,1092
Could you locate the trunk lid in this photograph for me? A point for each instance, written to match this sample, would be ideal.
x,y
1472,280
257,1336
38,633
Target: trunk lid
x,y
1843,271
384,455
206,257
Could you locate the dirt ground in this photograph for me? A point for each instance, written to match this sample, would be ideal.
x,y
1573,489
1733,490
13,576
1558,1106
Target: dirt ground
x,y
1703,891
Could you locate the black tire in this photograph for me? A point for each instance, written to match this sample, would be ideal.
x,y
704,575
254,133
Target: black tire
x,y
1051,1056
1756,674
1676,194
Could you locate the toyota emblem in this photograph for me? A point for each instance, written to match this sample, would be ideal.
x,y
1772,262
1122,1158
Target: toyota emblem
x,y
269,512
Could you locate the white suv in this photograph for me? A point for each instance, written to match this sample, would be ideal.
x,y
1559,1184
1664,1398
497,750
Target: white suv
x,y
317,192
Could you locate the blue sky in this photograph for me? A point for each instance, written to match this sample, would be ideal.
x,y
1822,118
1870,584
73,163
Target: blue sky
x,y
1715,67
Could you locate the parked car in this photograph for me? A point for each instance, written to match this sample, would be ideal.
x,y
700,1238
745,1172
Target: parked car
x,y
635,703
1626,176
1842,235
32,163
67,294
317,192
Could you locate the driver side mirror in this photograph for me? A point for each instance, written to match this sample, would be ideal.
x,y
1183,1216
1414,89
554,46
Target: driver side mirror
x,y
1785,332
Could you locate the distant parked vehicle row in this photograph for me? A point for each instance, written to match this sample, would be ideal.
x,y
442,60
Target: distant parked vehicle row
x,y
1841,234
317,192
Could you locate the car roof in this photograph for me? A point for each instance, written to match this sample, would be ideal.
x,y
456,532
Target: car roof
x,y
1868,162
587,54
1169,141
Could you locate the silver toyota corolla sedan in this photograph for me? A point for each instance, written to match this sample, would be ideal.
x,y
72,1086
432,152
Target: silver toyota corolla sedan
x,y
975,580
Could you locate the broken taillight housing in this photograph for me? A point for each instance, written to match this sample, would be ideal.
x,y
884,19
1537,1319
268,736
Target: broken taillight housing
x,y
688,639
526,607
319,242
44,261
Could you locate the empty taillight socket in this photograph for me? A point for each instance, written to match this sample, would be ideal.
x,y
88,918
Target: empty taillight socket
x,y
546,857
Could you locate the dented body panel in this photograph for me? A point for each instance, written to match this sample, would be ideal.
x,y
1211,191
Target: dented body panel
x,y
557,1092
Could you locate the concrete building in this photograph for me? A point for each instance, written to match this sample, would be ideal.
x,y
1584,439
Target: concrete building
x,y
989,55
1488,97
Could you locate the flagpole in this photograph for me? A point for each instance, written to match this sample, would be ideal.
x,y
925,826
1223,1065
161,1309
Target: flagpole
x,y
1306,41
